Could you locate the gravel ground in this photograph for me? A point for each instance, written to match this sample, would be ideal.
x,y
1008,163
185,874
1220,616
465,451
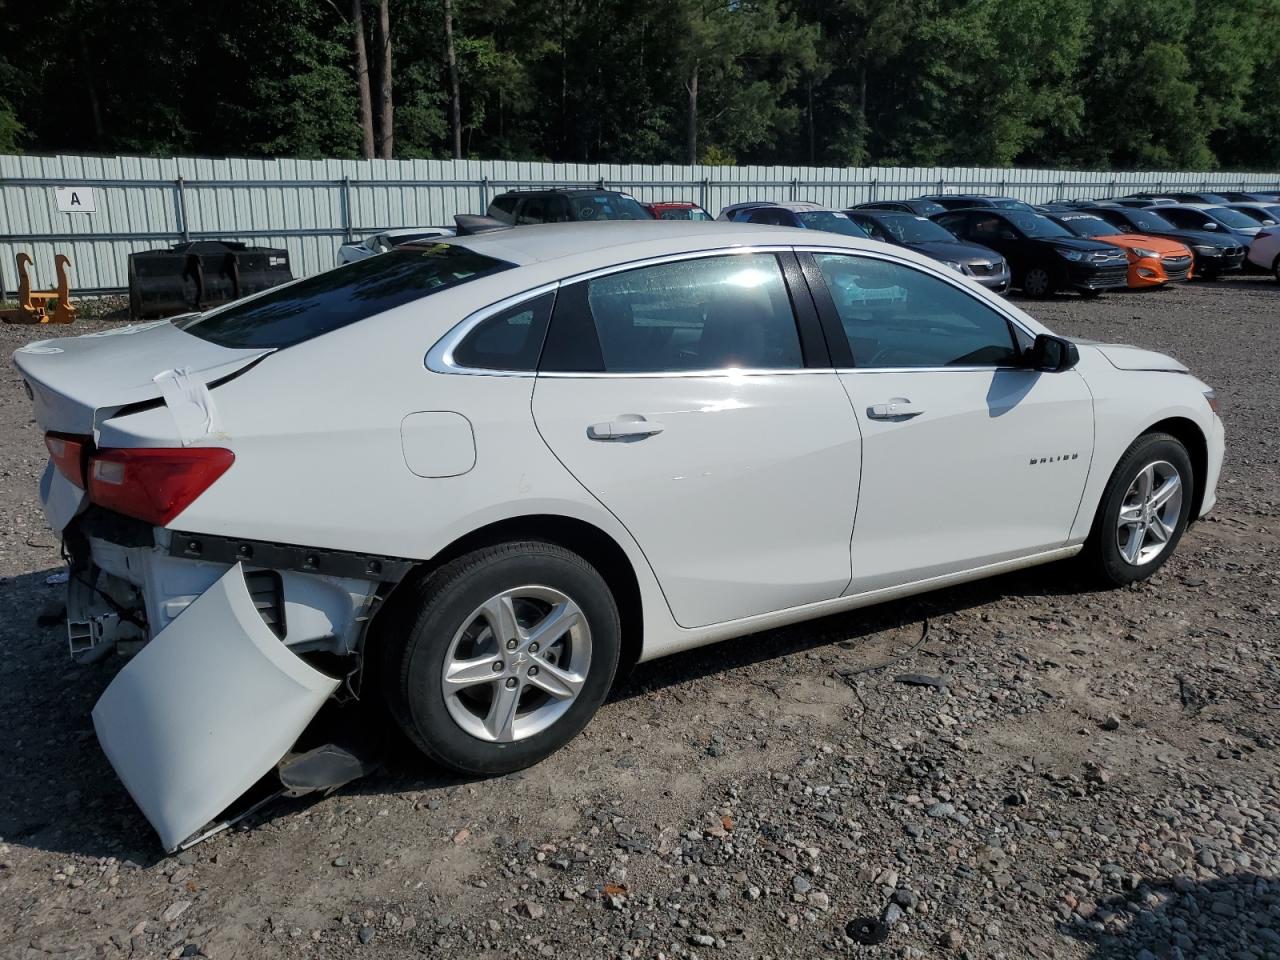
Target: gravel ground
x,y
1093,774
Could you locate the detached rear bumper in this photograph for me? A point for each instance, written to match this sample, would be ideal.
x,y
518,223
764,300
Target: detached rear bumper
x,y
205,710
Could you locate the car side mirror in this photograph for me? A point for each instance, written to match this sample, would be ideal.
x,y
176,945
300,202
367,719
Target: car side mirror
x,y
1051,354
1211,226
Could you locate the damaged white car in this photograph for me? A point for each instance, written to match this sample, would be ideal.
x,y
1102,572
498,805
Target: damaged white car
x,y
473,479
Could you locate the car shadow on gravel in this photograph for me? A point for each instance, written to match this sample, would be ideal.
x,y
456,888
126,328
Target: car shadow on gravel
x,y
1233,916
61,795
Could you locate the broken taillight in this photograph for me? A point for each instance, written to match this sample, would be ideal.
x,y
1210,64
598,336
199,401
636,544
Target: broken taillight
x,y
70,455
154,484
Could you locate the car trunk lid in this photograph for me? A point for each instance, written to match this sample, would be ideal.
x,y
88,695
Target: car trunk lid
x,y
77,382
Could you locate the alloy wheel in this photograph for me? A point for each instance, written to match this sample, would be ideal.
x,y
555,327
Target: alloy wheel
x,y
517,664
1149,513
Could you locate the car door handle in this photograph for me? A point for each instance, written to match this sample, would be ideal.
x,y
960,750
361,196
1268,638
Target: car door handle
x,y
627,427
899,408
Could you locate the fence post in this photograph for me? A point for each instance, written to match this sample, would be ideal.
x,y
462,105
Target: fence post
x,y
874,185
180,185
484,194
345,203
795,188
703,192
599,183
1111,194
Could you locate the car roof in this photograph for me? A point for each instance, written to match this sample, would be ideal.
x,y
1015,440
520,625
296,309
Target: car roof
x,y
672,203
905,214
599,241
561,192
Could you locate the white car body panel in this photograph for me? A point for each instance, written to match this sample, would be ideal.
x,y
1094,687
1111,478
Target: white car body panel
x,y
1264,251
743,503
768,498
204,710
948,489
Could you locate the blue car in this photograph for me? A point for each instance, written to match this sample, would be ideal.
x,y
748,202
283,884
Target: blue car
x,y
1213,218
808,216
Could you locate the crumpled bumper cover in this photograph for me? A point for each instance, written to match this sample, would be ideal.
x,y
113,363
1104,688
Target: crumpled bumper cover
x,y
205,709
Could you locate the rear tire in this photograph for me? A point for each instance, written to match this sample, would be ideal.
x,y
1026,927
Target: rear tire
x,y
1144,511
1090,294
464,673
1275,269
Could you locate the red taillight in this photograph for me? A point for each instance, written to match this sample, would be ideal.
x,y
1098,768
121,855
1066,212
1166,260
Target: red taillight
x,y
70,454
154,483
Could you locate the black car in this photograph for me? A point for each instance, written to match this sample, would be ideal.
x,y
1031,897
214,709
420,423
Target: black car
x,y
1215,253
565,206
921,208
924,236
1044,256
1182,197
1256,196
973,201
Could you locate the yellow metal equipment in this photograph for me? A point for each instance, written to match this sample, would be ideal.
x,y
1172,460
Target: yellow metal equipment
x,y
41,306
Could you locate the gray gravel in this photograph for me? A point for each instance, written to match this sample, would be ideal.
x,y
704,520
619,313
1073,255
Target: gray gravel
x,y
1090,774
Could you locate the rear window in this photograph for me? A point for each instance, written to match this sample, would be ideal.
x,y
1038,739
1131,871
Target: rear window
x,y
337,298
607,206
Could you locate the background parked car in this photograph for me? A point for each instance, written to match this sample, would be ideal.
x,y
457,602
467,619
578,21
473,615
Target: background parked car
x,y
1044,256
565,206
1264,252
973,201
1256,196
1214,219
1153,261
1214,253
808,216
734,210
921,208
388,240
1184,197
677,210
924,236
1267,214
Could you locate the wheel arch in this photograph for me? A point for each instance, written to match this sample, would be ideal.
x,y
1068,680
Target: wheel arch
x,y
1189,434
585,539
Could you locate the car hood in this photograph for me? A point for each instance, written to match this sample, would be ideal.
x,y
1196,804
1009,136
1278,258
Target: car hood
x,y
1074,243
1160,245
1123,356
959,251
1202,237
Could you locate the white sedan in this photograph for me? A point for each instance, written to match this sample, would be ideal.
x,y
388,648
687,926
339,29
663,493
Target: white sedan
x,y
473,480
388,240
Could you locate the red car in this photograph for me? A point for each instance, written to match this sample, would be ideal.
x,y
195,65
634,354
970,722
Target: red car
x,y
677,210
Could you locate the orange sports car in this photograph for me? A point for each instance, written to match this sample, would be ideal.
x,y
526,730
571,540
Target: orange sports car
x,y
1153,261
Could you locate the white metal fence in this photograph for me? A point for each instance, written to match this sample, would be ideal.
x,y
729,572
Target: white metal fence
x,y
311,206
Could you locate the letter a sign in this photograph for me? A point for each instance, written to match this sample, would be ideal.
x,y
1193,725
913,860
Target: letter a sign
x,y
75,199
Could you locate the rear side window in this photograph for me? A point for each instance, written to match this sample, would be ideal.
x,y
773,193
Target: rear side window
x,y
897,316
337,298
712,313
510,340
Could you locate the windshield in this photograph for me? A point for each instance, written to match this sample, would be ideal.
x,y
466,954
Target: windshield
x,y
1150,222
914,230
333,299
832,222
1036,224
683,213
607,206
1087,225
1232,218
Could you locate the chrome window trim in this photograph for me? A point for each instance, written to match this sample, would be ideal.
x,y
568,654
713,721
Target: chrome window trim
x,y
439,358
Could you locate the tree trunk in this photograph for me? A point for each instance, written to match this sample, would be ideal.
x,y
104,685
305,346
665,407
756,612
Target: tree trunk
x,y
455,101
692,134
91,88
386,119
811,152
362,80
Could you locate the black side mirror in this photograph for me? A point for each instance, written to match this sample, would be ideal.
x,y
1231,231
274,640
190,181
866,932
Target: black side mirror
x,y
1052,354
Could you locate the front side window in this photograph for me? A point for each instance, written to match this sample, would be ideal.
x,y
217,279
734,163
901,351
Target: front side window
x,y
509,340
706,314
337,298
897,316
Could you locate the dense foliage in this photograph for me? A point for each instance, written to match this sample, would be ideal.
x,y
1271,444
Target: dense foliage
x,y
1091,83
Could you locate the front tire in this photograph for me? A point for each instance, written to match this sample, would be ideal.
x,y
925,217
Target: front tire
x,y
1275,269
1038,282
501,657
1144,511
